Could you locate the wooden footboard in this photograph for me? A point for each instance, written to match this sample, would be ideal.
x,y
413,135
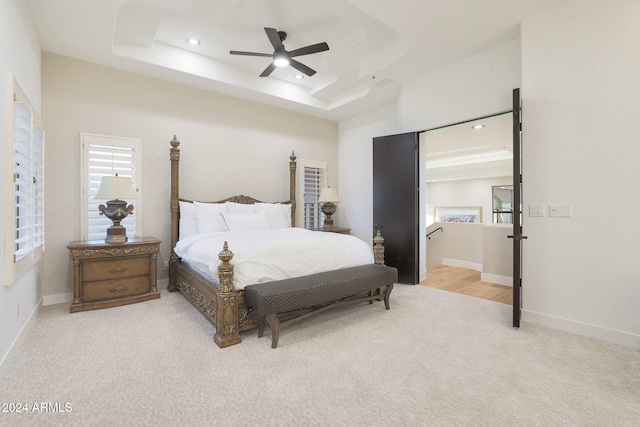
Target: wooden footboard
x,y
220,303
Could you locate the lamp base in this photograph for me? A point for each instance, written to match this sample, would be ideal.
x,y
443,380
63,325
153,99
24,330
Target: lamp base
x,y
328,209
116,210
116,234
328,223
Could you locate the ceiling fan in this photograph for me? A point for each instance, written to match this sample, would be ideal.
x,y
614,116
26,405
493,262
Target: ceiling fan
x,y
282,58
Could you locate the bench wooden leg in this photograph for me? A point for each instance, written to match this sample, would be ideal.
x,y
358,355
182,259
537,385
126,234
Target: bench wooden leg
x,y
273,321
387,293
260,325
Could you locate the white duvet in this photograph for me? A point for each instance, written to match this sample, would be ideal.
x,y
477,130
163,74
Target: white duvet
x,y
264,256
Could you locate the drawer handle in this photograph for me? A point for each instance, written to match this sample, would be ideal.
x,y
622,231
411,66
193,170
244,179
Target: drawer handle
x,y
120,288
118,270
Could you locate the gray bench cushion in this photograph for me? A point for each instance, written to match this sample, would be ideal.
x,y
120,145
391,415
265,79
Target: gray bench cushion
x,y
317,289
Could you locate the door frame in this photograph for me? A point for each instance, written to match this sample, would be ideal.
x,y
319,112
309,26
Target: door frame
x,y
517,208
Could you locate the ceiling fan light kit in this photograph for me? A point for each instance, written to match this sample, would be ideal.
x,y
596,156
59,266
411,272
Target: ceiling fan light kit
x,y
281,57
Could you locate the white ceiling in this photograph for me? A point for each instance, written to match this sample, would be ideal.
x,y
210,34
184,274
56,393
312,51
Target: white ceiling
x,y
375,45
461,152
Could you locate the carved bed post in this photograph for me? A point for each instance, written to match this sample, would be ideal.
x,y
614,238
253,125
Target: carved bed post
x,y
227,328
174,207
378,249
292,187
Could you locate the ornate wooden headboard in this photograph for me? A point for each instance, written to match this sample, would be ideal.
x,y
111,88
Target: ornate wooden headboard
x,y
175,196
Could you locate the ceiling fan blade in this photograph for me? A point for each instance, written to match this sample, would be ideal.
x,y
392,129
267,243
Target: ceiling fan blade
x,y
274,38
267,71
314,48
302,68
239,52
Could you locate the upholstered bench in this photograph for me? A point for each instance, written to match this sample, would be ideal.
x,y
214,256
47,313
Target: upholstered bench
x,y
286,301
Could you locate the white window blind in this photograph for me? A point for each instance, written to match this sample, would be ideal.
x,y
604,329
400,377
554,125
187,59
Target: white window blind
x,y
107,156
314,179
28,178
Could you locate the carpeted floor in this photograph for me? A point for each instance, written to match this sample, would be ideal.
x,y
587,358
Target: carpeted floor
x,y
435,359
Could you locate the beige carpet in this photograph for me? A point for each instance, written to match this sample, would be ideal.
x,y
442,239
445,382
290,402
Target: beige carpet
x,y
435,359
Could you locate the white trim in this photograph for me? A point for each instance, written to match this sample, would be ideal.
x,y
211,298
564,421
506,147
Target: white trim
x,y
498,280
16,266
609,335
54,299
15,346
162,284
463,264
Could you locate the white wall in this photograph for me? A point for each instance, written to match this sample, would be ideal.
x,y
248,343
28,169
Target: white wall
x,y
20,55
475,87
468,192
356,172
581,100
228,147
581,103
482,85
458,244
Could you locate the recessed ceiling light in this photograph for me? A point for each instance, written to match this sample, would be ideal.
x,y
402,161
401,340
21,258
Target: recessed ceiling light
x,y
193,41
298,77
478,126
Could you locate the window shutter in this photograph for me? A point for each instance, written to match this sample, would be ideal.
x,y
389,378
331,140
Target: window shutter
x,y
314,180
28,177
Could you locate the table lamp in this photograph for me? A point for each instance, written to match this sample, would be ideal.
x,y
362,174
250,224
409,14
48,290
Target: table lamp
x,y
328,198
115,188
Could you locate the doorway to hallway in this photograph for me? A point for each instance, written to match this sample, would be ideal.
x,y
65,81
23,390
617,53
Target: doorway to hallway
x,y
466,281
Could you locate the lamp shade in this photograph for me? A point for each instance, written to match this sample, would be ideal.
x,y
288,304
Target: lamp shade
x,y
328,194
116,187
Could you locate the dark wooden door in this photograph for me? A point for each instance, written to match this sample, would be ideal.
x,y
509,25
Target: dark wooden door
x,y
396,201
517,208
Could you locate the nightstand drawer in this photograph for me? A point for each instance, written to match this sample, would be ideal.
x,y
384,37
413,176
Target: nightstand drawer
x,y
116,269
110,289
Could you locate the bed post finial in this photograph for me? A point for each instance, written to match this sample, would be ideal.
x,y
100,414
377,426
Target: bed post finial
x,y
378,249
292,186
227,327
225,270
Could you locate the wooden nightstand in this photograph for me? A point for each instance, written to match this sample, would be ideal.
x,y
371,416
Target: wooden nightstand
x,y
109,275
341,230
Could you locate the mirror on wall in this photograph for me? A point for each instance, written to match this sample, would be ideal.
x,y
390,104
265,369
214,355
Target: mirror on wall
x,y
465,162
502,199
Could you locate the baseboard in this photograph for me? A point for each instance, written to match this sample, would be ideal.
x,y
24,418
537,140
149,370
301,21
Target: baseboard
x,y
463,264
11,354
603,334
54,299
498,280
67,297
162,284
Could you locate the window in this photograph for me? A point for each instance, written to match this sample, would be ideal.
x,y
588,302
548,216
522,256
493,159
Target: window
x,y
107,156
314,179
26,219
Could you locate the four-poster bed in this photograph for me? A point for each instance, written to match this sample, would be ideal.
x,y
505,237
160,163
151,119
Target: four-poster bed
x,y
214,292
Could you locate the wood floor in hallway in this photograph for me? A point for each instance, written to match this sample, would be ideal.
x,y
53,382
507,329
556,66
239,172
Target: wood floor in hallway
x,y
466,281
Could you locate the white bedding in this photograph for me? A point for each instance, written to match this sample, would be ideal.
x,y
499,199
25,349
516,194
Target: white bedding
x,y
265,256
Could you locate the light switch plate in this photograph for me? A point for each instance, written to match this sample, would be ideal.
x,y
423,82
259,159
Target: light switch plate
x,y
560,210
536,210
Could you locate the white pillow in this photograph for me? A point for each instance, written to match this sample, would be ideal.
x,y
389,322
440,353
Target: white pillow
x,y
188,220
246,221
208,216
278,214
233,207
